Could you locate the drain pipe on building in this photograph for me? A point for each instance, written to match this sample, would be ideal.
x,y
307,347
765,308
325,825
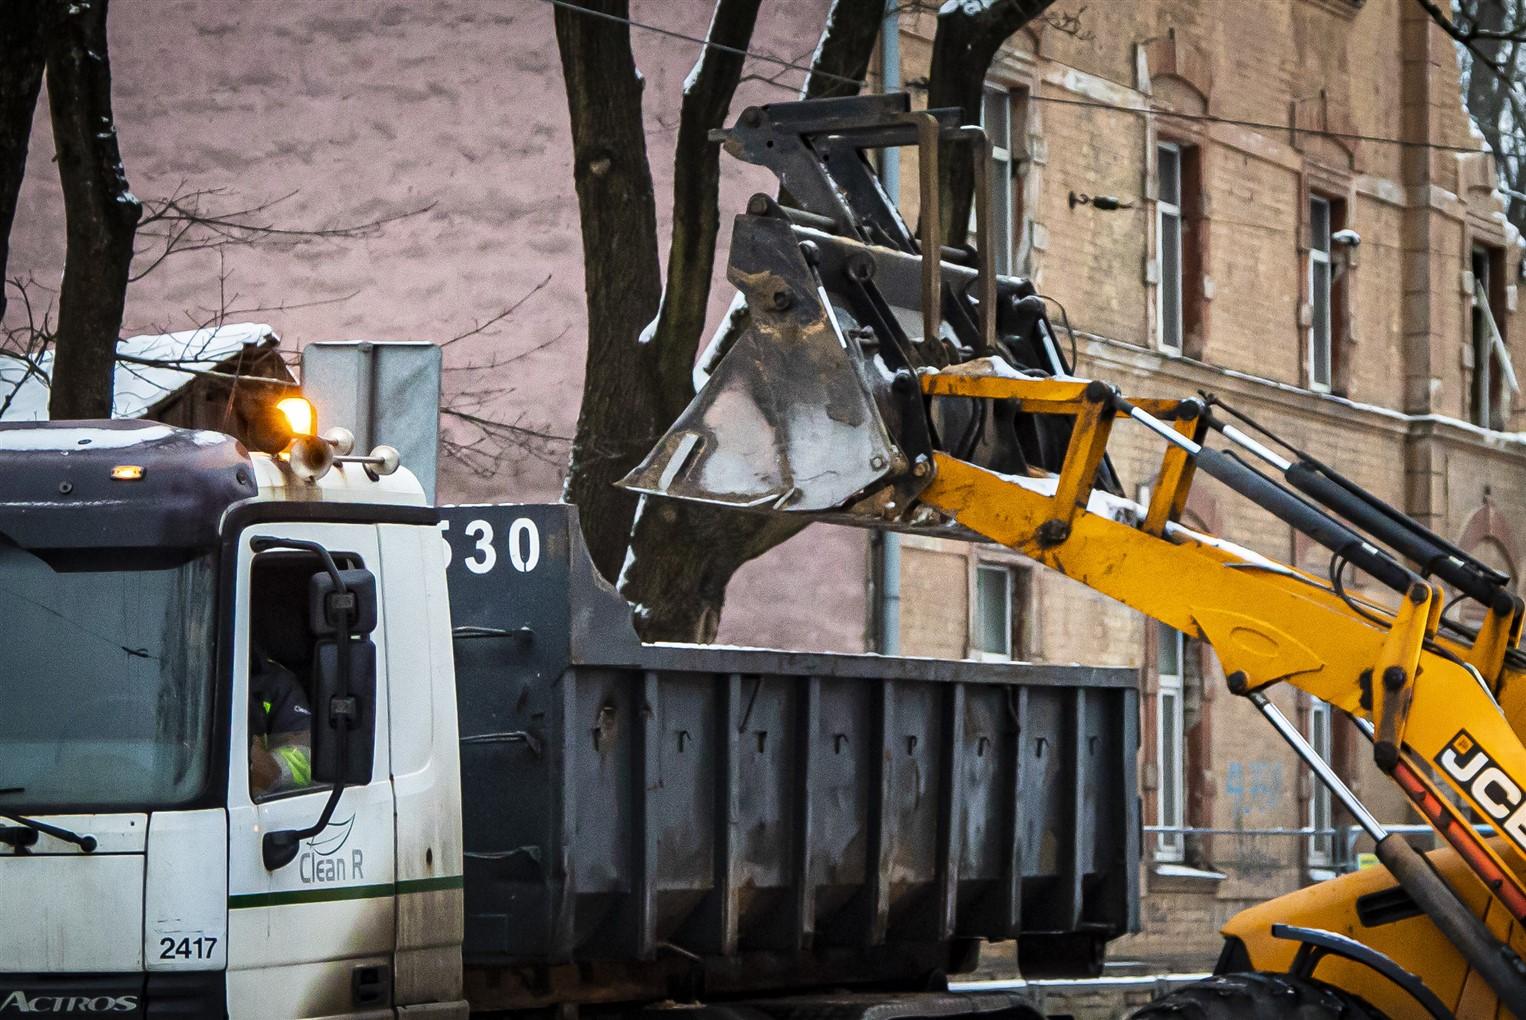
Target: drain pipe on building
x,y
887,544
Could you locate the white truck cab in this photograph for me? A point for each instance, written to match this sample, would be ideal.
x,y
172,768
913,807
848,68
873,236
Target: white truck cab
x,y
142,570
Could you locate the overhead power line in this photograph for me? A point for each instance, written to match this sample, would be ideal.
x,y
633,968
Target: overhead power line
x,y
767,58
1096,104
1257,124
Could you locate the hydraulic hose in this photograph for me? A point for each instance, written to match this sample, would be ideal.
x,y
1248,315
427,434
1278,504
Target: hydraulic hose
x,y
1286,506
1432,555
1303,516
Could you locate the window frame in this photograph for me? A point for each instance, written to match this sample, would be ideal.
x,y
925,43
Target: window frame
x,y
345,560
977,614
1165,208
1320,256
1493,379
1320,849
1007,162
1170,847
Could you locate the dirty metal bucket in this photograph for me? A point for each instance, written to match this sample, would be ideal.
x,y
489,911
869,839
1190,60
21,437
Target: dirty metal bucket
x,y
788,420
817,408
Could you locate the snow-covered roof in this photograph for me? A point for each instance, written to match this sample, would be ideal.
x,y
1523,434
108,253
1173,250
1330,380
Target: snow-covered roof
x,y
137,386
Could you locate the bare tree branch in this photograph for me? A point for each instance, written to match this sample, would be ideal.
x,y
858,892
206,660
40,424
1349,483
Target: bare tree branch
x,y
696,215
187,222
1496,101
204,373
488,323
510,427
683,556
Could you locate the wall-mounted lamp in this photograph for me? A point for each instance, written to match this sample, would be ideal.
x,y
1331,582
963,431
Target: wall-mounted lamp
x,y
1344,243
1106,203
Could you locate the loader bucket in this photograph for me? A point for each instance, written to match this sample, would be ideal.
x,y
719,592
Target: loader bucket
x,y
815,406
787,420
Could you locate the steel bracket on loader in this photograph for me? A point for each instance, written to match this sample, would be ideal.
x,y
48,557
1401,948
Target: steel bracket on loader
x,y
818,404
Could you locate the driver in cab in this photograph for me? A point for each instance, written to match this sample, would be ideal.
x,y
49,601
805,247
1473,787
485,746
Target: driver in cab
x,y
280,727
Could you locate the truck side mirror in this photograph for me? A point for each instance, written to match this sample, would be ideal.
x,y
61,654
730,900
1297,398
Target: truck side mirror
x,y
337,760
344,681
342,613
328,609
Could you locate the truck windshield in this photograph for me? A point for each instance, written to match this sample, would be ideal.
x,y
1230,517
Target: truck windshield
x,y
105,681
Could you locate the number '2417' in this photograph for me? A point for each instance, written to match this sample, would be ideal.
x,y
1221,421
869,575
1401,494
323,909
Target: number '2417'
x,y
199,948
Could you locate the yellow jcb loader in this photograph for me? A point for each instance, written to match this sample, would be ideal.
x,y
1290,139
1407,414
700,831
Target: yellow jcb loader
x,y
872,383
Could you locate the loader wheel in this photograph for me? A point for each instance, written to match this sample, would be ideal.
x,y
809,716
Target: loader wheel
x,y
1258,996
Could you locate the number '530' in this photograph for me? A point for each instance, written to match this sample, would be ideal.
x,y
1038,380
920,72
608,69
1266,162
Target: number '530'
x,y
523,545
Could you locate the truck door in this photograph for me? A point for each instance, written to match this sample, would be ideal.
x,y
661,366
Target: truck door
x,y
313,937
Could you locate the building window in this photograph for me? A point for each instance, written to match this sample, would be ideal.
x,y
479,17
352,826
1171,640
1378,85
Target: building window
x,y
1325,289
1170,754
994,616
1494,380
1002,114
1321,820
1321,361
1168,246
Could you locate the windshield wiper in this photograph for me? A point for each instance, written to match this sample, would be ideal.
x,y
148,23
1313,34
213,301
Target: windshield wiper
x,y
85,843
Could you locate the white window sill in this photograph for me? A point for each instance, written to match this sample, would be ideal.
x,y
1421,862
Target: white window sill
x,y
1167,870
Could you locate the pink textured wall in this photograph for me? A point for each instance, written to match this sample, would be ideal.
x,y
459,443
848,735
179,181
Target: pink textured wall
x,y
363,110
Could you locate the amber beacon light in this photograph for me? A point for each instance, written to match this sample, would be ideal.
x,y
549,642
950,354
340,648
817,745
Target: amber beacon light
x,y
300,415
309,455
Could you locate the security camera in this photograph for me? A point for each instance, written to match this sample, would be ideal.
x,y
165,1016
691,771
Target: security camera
x,y
1347,238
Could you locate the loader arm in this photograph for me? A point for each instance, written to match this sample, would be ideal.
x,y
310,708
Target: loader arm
x,y
1432,712
877,385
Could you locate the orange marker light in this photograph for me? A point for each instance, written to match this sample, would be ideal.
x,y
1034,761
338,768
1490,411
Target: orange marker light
x,y
127,472
300,415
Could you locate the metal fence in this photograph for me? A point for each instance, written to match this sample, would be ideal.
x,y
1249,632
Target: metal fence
x,y
1347,854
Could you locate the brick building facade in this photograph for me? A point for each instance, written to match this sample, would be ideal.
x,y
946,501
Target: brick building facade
x,y
1242,135
1241,140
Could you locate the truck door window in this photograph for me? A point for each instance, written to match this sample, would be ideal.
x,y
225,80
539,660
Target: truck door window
x,y
281,644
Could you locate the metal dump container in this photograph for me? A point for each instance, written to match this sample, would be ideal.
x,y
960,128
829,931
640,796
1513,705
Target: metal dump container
x,y
673,819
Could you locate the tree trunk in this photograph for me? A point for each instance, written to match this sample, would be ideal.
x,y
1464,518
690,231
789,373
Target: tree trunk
x,y
621,415
847,43
696,190
968,37
683,557
100,214
23,53
683,554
